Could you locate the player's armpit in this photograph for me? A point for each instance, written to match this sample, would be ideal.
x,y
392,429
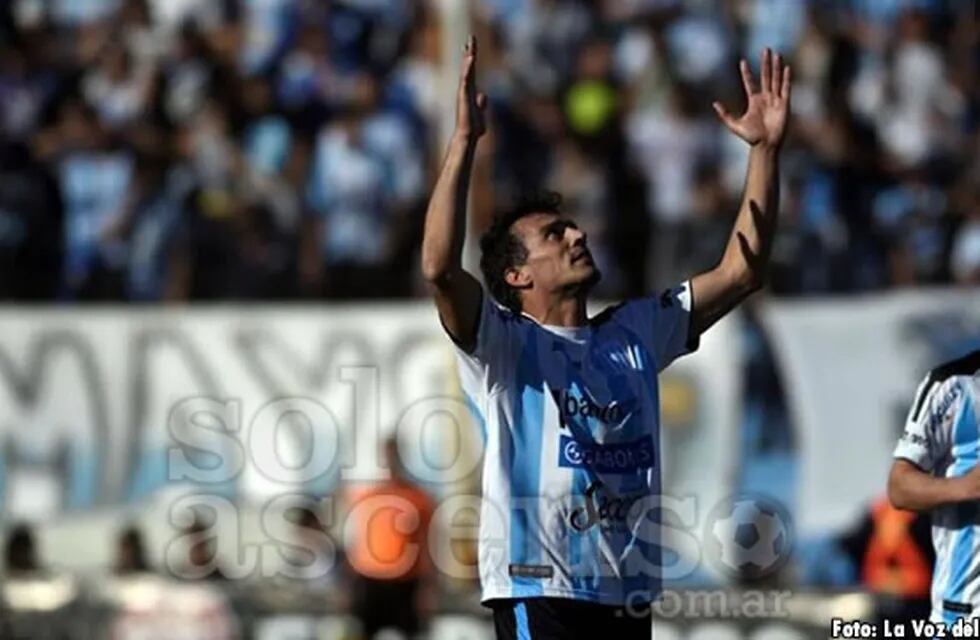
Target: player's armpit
x,y
458,297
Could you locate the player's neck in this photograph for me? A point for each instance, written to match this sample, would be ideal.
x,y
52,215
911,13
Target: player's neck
x,y
557,312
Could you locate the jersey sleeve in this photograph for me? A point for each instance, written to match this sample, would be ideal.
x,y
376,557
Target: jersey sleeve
x,y
664,323
927,437
497,339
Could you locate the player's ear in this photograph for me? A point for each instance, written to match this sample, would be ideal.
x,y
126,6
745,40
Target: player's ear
x,y
518,277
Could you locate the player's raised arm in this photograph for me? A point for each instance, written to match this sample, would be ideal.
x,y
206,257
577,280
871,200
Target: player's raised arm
x,y
763,126
457,294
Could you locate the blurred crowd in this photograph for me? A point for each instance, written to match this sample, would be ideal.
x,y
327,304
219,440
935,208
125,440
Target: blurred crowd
x,y
371,565
284,149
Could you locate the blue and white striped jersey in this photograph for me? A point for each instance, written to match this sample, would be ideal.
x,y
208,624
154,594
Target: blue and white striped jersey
x,y
941,437
571,474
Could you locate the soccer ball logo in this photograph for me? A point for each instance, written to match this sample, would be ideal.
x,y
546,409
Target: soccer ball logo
x,y
748,537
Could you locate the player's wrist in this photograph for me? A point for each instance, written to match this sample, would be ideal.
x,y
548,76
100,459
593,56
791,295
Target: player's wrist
x,y
463,139
765,148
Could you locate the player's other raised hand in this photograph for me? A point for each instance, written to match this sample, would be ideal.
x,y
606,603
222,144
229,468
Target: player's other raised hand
x,y
471,105
767,108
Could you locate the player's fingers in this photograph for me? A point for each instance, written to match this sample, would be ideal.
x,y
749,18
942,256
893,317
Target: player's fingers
x,y
766,71
464,73
481,101
723,114
469,57
784,89
747,81
777,73
471,63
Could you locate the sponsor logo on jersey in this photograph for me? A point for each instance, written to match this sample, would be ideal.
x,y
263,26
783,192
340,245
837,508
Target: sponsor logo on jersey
x,y
942,413
572,407
914,439
619,457
603,508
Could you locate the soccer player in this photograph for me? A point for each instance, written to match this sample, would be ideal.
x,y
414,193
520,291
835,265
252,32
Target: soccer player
x,y
935,470
570,404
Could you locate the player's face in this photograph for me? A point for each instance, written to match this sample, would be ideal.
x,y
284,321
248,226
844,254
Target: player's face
x,y
558,255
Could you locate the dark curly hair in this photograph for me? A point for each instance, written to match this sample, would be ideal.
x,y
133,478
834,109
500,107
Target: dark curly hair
x,y
501,249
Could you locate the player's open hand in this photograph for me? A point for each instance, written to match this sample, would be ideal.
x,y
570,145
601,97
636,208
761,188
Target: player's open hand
x,y
767,107
471,105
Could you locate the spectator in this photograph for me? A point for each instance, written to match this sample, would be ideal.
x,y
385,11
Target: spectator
x,y
387,548
366,175
965,258
668,148
309,84
20,556
23,92
202,562
117,89
414,82
188,74
30,227
130,553
892,553
267,26
312,558
311,121
541,37
94,174
149,225
147,41
74,13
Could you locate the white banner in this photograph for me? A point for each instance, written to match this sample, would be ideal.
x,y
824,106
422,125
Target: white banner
x,y
93,401
107,406
850,369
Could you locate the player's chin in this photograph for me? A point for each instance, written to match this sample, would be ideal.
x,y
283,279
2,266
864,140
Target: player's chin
x,y
590,276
